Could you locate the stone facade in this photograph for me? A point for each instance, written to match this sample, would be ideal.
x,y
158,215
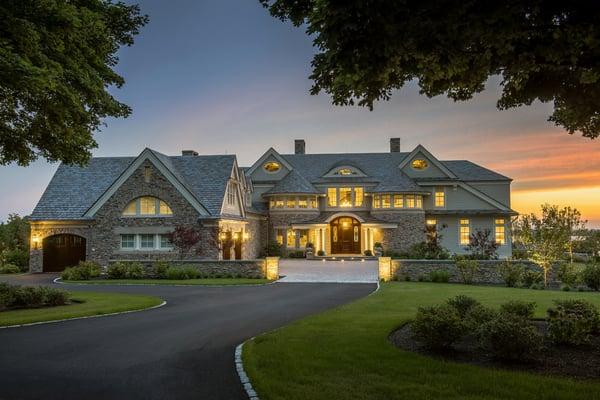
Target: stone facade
x,y
487,271
257,230
409,232
40,231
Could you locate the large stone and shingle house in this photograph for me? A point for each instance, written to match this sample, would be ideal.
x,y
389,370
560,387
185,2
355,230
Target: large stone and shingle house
x,y
122,208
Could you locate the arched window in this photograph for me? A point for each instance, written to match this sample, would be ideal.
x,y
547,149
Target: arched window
x,y
147,206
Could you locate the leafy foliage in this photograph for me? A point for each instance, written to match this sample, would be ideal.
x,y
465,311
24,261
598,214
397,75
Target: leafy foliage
x,y
14,242
520,308
572,321
510,336
591,276
548,52
184,272
546,238
431,248
530,278
86,270
463,304
184,239
56,66
438,327
125,270
13,296
482,245
467,270
9,269
511,273
439,276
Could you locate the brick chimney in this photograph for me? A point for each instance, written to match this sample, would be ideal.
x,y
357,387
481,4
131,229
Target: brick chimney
x,y
189,153
299,146
395,145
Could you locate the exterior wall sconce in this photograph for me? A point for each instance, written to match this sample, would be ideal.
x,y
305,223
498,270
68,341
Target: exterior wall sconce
x,y
236,236
246,236
35,240
223,236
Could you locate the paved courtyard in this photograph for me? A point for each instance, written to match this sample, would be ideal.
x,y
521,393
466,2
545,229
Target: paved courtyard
x,y
346,271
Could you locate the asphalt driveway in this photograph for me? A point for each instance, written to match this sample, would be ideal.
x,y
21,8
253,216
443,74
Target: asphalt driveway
x,y
184,350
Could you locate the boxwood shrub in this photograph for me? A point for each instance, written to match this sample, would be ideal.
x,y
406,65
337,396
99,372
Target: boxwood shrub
x,y
125,270
438,327
14,296
84,271
520,308
510,337
572,322
439,276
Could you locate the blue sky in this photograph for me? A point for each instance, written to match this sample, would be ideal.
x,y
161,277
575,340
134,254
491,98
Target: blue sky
x,y
226,77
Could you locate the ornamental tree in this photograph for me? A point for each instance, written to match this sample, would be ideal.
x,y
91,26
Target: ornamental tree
x,y
184,239
57,62
482,246
542,51
546,238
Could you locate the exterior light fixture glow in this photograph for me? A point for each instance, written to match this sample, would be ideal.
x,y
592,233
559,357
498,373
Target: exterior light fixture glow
x,y
236,236
246,236
223,236
35,240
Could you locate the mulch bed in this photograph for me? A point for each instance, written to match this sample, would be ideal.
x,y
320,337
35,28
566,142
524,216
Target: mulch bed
x,y
576,362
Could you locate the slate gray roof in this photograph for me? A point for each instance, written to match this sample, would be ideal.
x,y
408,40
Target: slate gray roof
x,y
73,189
293,182
467,171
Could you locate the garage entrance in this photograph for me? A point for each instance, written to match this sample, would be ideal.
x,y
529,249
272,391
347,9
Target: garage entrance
x,y
62,251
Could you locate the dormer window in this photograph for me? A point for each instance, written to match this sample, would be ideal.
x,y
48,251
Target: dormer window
x,y
345,172
147,206
419,164
272,167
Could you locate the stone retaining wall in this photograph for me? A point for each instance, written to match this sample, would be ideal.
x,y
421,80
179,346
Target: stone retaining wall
x,y
237,268
487,271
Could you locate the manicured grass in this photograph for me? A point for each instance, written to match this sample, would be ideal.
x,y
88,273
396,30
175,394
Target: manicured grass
x,y
92,304
345,353
205,282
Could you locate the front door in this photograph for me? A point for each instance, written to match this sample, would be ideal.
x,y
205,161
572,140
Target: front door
x,y
345,236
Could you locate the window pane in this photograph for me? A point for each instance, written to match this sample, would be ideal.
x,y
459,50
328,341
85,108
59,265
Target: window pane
x,y
465,231
410,200
385,201
376,201
280,237
499,221
165,209
291,202
431,222
345,197
303,237
165,243
398,201
356,236
147,241
500,238
313,202
440,198
331,197
127,241
358,196
302,202
291,238
147,206
419,201
279,202
131,208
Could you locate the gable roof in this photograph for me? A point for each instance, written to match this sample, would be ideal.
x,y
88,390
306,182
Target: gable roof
x,y
467,171
76,192
293,182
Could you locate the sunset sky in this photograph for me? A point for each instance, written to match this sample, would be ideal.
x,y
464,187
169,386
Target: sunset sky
x,y
228,78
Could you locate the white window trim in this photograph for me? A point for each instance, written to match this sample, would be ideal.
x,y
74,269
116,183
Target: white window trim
x,y
352,195
437,190
460,225
503,224
138,209
137,240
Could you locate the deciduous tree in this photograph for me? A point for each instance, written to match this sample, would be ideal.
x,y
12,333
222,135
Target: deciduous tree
x,y
546,51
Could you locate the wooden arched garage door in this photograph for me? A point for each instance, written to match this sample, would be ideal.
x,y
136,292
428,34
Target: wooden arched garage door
x,y
62,251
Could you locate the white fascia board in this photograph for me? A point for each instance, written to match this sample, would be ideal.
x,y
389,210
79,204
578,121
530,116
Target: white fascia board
x,y
430,157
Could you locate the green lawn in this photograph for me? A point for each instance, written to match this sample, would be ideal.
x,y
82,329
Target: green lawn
x,y
93,304
205,282
344,353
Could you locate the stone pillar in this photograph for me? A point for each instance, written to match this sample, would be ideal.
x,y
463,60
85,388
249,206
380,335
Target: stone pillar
x,y
385,268
272,268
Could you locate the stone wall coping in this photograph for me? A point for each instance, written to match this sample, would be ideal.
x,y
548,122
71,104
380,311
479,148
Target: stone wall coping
x,y
256,260
429,261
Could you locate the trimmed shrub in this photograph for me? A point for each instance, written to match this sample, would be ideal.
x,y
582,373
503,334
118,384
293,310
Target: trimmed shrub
x,y
467,270
17,256
296,254
568,274
572,321
520,308
438,327
86,270
511,273
12,296
320,253
478,315
116,270
7,295
439,276
54,297
530,278
125,270
185,272
368,253
537,286
510,337
159,269
462,304
591,276
9,269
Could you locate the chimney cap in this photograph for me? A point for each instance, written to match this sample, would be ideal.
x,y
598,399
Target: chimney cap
x,y
189,153
395,145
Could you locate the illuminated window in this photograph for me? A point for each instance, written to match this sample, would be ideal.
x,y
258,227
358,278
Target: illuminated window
x,y
313,202
345,171
440,198
500,232
331,197
291,238
410,200
231,193
356,234
419,164
376,201
302,202
291,202
431,222
279,202
398,201
418,201
303,237
385,201
345,197
272,166
335,234
279,236
465,231
147,206
358,196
